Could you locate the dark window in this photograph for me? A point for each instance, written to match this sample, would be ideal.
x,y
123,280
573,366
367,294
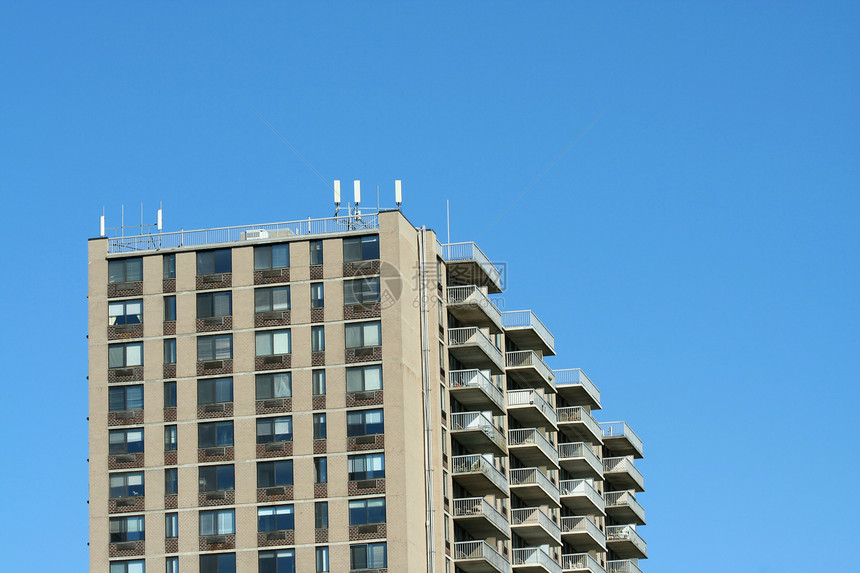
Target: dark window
x,y
169,394
278,385
125,270
170,307
214,390
321,514
317,338
318,382
361,291
215,347
366,511
128,528
216,477
171,525
316,252
272,299
278,561
368,556
364,248
125,355
363,334
271,257
214,304
171,565
125,398
135,566
366,466
169,264
125,312
319,427
317,295
218,522
218,563
170,351
171,481
125,441
129,484
275,518
211,262
320,470
170,438
364,379
364,423
213,434
322,560
274,430
271,474
271,342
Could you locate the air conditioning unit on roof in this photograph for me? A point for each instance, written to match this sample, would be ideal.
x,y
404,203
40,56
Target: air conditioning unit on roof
x,y
253,234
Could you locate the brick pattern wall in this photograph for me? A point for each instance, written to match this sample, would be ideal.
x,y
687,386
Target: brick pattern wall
x,y
216,454
320,490
126,504
171,501
371,398
273,362
169,371
125,417
317,315
263,319
208,411
125,374
171,545
263,495
272,276
125,331
361,268
318,402
275,450
169,327
362,311
369,487
318,358
209,499
274,406
316,272
274,538
170,458
168,285
127,549
209,282
320,446
215,367
170,414
365,532
125,289
215,324
365,354
321,535
116,462
357,444
217,542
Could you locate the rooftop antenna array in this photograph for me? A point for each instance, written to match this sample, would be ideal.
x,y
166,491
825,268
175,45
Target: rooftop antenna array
x,y
140,230
352,217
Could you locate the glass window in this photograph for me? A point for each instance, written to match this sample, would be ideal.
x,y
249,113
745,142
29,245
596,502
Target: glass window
x,y
126,484
367,511
127,441
318,382
368,556
364,423
212,478
322,561
271,342
271,299
125,312
272,474
317,295
321,514
361,291
218,522
170,440
319,427
170,307
126,528
169,265
364,379
320,470
170,351
125,355
361,248
214,434
277,561
214,390
125,270
171,481
218,563
363,334
171,565
271,257
366,466
217,261
218,347
275,518
136,566
125,398
316,252
274,430
317,338
277,385
211,304
170,394
171,525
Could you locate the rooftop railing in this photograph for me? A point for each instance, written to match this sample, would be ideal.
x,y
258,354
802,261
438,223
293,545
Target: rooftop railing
x,y
470,252
582,487
626,533
527,319
534,515
535,556
577,376
622,566
579,414
479,507
473,335
468,550
479,464
623,464
624,498
610,429
581,562
532,436
478,421
476,378
474,295
532,398
519,358
178,239
533,476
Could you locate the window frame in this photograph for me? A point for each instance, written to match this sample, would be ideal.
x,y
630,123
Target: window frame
x,y
211,350
317,338
170,353
136,275
365,474
218,390
126,487
369,560
362,328
171,481
169,395
222,431
126,566
363,379
361,248
317,295
169,308
320,424
272,423
168,266
171,438
362,427
272,340
126,306
264,299
361,513
211,304
219,263
288,566
278,472
217,563
264,256
217,527
224,475
114,451
361,295
285,511
316,252
270,379
128,403
125,533
128,359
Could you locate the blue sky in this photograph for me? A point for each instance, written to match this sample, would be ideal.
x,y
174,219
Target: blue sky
x,y
695,249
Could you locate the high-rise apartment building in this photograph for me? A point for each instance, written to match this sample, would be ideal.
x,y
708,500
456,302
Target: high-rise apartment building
x,y
339,395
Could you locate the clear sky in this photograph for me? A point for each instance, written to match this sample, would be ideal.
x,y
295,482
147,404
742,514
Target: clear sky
x,y
692,242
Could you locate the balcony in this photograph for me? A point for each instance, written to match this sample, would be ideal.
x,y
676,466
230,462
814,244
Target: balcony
x,y
468,265
622,474
529,408
624,508
532,486
580,563
479,476
578,459
533,560
478,434
578,424
469,305
621,440
528,369
478,516
625,542
479,557
623,566
532,448
526,330
472,347
535,527
575,387
582,534
580,496
474,390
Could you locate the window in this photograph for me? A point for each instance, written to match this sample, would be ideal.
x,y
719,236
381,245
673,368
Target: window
x,y
367,511
316,252
364,248
317,338
126,528
125,312
361,291
211,304
274,430
125,270
170,440
271,257
272,342
278,385
170,307
320,470
218,563
218,347
364,379
125,355
128,484
218,522
278,561
271,474
321,514
364,423
214,390
318,382
212,478
136,566
125,398
322,560
171,565
368,556
275,518
125,441
171,525
366,466
317,295
169,266
319,427
170,394
272,299
211,262
171,481
214,434
363,334
170,351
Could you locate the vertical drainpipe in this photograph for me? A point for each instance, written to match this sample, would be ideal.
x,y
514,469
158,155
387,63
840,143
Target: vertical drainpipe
x,y
425,379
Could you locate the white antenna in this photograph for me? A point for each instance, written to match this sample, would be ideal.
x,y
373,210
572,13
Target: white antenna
x,y
158,218
398,193
357,191
102,223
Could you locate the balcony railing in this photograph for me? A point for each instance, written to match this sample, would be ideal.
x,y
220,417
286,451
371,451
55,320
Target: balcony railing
x,y
581,562
582,487
477,379
478,421
622,566
479,507
521,358
470,252
625,499
626,533
532,398
581,524
527,319
580,414
532,436
475,296
473,335
472,550
535,556
479,464
177,239
534,515
575,376
533,476
623,464
579,450
621,429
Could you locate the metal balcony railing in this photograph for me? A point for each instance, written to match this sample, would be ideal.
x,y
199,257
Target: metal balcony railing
x,y
532,436
577,376
535,556
470,252
581,562
624,499
474,295
622,566
520,358
533,476
469,550
478,506
578,450
478,421
479,464
580,414
534,515
625,533
610,429
532,398
473,335
582,487
527,319
623,464
580,523
476,378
